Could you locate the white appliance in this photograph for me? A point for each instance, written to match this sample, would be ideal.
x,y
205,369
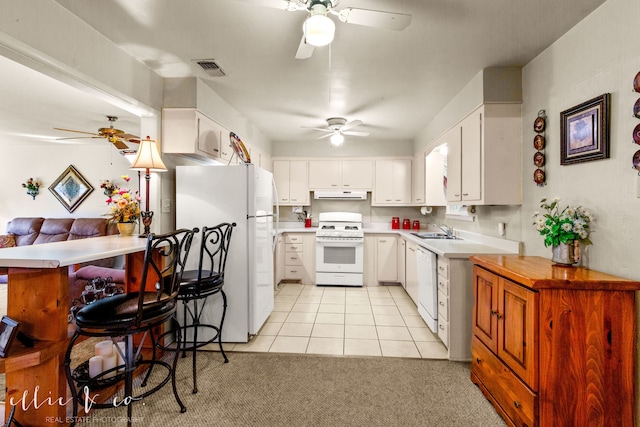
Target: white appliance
x,y
244,194
339,249
428,287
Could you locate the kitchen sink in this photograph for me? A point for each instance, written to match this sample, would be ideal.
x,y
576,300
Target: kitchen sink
x,y
434,235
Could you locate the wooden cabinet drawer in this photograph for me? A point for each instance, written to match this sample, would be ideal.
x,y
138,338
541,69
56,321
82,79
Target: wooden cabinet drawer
x,y
292,272
294,247
443,285
443,332
292,258
506,389
443,307
443,268
296,239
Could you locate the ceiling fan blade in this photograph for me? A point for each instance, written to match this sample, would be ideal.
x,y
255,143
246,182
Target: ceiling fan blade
x,y
320,129
304,50
79,137
128,137
289,5
120,145
325,136
355,133
76,131
375,18
350,125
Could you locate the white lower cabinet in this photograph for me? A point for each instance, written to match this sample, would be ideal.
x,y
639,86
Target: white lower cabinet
x,y
455,306
402,248
387,258
299,257
411,272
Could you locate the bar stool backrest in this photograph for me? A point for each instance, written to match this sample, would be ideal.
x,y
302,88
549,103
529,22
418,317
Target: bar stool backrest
x,y
214,248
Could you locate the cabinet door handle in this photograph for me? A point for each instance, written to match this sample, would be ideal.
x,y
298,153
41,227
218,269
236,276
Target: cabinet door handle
x,y
457,195
478,360
465,194
516,404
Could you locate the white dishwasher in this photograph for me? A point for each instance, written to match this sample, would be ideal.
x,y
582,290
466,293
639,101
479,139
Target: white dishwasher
x,y
428,287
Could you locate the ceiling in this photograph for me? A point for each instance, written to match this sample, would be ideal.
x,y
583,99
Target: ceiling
x,y
395,82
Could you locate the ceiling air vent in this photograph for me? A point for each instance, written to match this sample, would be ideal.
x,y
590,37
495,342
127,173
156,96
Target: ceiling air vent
x,y
210,67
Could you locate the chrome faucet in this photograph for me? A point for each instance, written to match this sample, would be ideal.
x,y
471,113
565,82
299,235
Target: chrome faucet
x,y
446,229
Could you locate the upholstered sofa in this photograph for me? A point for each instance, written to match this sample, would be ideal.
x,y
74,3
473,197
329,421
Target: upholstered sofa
x,y
35,230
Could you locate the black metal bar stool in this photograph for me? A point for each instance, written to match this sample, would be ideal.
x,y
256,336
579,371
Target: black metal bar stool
x,y
198,285
133,314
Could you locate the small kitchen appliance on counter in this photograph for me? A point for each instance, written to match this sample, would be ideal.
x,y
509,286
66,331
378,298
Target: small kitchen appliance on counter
x,y
339,249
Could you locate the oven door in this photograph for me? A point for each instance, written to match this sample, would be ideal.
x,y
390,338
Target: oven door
x,y
339,256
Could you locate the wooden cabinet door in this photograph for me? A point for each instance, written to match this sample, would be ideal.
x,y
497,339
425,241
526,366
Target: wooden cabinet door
x,y
517,330
357,174
324,174
587,352
387,258
471,146
411,272
281,178
485,307
454,165
298,182
208,135
419,179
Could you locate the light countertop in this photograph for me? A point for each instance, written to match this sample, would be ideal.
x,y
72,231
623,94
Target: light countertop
x,y
69,252
468,244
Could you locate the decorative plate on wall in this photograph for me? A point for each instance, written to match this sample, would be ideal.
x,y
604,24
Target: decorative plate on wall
x,y
636,134
538,159
538,176
636,109
636,161
636,83
538,142
539,124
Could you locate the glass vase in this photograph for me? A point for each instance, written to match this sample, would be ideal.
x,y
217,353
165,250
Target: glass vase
x,y
566,253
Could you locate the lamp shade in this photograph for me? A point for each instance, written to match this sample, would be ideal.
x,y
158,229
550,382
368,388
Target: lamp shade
x,y
148,157
319,30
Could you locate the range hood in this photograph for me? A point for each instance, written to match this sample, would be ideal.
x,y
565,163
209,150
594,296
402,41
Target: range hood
x,y
340,195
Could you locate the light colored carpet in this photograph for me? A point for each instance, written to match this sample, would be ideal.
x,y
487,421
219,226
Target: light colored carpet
x,y
265,389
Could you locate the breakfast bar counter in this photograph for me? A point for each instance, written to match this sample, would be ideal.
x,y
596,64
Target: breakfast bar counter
x,y
38,298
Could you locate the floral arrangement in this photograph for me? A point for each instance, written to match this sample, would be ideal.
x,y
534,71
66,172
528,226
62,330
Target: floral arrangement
x,y
125,206
108,188
32,184
563,226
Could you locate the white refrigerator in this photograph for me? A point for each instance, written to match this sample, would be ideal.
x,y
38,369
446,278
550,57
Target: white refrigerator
x,y
244,194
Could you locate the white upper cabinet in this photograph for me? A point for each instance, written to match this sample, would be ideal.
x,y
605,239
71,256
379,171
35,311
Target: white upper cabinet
x,y
290,177
340,174
484,164
392,182
418,181
434,182
187,131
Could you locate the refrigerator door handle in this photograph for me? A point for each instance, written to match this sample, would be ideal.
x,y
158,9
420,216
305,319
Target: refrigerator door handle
x,y
276,230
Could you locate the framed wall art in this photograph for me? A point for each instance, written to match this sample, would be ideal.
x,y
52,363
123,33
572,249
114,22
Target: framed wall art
x,y
71,188
584,131
8,331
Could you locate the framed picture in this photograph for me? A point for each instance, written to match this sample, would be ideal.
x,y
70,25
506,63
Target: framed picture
x,y
71,188
584,131
8,331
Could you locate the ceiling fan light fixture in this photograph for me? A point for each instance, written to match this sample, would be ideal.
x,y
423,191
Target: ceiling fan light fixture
x,y
337,139
318,28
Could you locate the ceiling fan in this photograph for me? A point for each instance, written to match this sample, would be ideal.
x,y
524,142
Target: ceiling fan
x,y
338,127
116,136
318,28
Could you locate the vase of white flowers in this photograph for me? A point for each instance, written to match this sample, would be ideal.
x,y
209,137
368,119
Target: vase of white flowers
x,y
563,230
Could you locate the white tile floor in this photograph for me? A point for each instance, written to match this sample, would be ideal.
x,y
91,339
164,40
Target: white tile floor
x,y
367,321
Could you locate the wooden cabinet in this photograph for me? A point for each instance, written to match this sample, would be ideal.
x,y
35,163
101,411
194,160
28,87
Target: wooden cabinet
x,y
187,131
553,346
419,179
402,249
299,257
392,184
291,182
481,165
349,174
411,272
387,258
